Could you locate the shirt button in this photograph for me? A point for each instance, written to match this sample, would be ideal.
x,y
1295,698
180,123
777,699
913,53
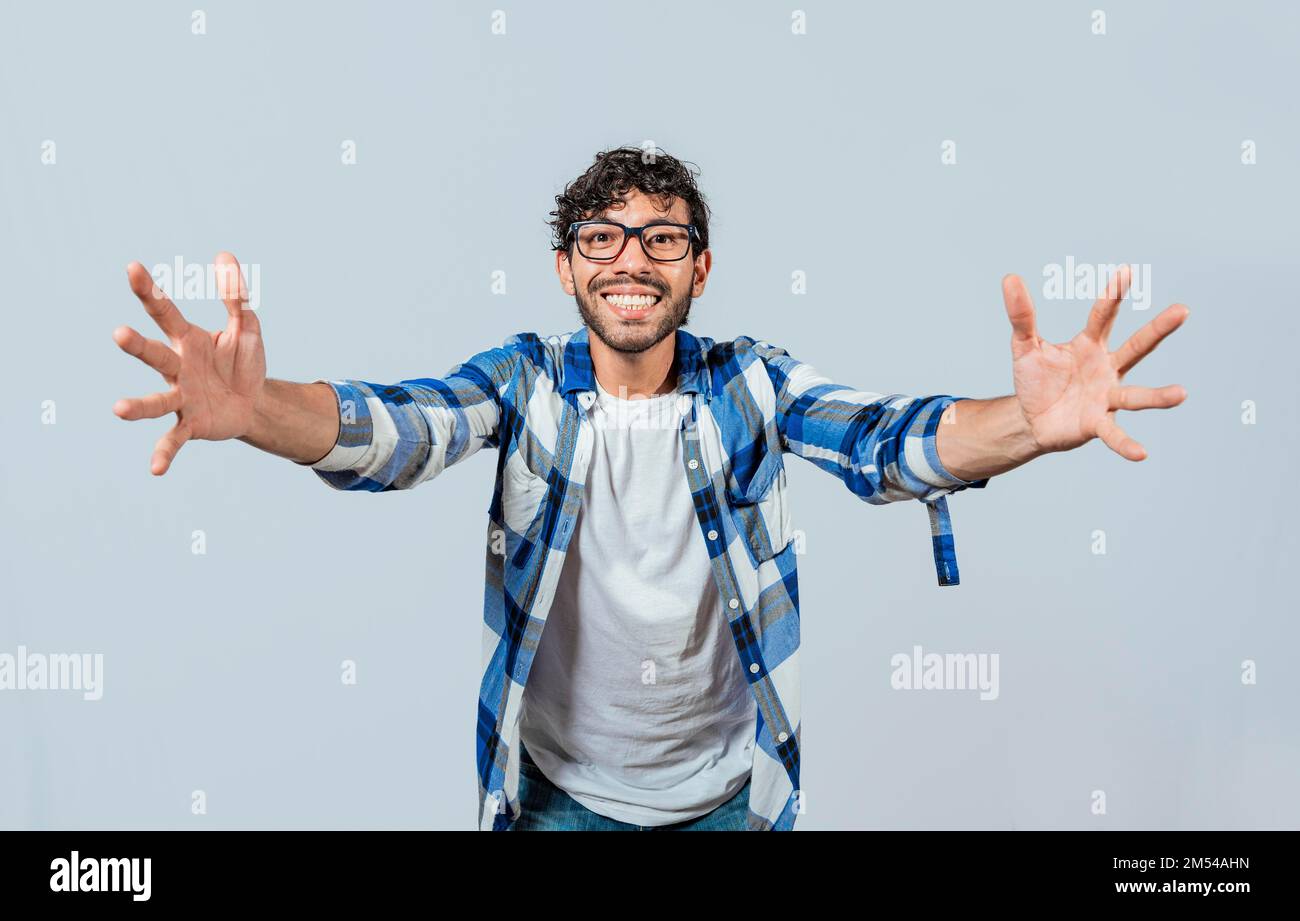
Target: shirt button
x,y
753,667
713,535
733,604
693,463
783,736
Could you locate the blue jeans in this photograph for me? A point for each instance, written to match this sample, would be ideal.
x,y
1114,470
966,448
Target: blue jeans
x,y
548,808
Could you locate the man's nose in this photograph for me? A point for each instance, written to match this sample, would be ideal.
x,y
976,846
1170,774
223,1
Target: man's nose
x,y
633,257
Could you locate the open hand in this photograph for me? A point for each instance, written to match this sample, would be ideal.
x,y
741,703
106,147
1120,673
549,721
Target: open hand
x,y
215,377
1070,393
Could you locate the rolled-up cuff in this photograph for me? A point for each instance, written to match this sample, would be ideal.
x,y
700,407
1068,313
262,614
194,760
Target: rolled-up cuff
x,y
356,429
920,455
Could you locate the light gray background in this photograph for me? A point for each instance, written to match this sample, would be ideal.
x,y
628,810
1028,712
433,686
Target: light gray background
x,y
818,152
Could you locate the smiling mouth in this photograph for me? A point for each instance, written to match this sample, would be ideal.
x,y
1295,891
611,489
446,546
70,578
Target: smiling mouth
x,y
631,305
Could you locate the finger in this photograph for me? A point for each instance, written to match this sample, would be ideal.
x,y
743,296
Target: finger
x,y
234,294
230,283
150,407
1020,311
1118,440
156,304
152,352
165,450
1141,343
1104,311
1146,397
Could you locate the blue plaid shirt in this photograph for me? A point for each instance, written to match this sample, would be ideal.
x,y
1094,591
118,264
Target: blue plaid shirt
x,y
747,404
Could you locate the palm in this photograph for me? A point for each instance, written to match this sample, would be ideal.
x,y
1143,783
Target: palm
x,y
220,376
215,377
1062,390
1069,393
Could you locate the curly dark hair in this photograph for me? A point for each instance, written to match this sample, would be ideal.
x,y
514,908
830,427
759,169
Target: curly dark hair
x,y
617,172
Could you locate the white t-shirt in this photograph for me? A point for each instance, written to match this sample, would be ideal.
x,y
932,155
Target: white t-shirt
x,y
636,705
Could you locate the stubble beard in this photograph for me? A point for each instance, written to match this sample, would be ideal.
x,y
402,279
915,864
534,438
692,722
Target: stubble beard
x,y
627,335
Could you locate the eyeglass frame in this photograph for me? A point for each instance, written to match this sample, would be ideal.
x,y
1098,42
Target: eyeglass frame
x,y
693,238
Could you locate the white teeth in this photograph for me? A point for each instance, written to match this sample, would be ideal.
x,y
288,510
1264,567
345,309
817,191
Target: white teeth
x,y
632,301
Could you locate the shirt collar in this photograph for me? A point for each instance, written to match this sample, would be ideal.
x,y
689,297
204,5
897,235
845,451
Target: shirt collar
x,y
692,370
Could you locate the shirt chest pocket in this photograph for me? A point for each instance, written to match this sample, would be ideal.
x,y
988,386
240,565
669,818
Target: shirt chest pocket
x,y
759,509
523,494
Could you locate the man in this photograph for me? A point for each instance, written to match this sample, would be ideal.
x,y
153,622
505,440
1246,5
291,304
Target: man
x,y
640,512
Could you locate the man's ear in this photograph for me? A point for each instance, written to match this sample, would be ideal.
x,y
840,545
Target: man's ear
x,y
564,269
703,265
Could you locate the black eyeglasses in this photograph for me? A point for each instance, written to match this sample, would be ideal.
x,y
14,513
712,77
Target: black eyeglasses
x,y
662,241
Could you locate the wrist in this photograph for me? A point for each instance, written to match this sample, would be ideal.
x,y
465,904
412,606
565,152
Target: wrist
x,y
255,431
1022,446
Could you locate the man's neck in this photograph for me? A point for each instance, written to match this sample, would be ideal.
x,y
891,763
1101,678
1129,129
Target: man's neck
x,y
643,374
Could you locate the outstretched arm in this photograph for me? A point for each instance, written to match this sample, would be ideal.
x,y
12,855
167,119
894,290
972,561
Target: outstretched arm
x,y
355,434
1065,395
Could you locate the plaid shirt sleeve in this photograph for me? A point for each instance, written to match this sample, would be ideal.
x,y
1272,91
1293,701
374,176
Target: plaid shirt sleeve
x,y
396,436
881,446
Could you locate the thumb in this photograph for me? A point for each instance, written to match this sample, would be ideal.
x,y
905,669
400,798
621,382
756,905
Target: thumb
x,y
1020,311
234,294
